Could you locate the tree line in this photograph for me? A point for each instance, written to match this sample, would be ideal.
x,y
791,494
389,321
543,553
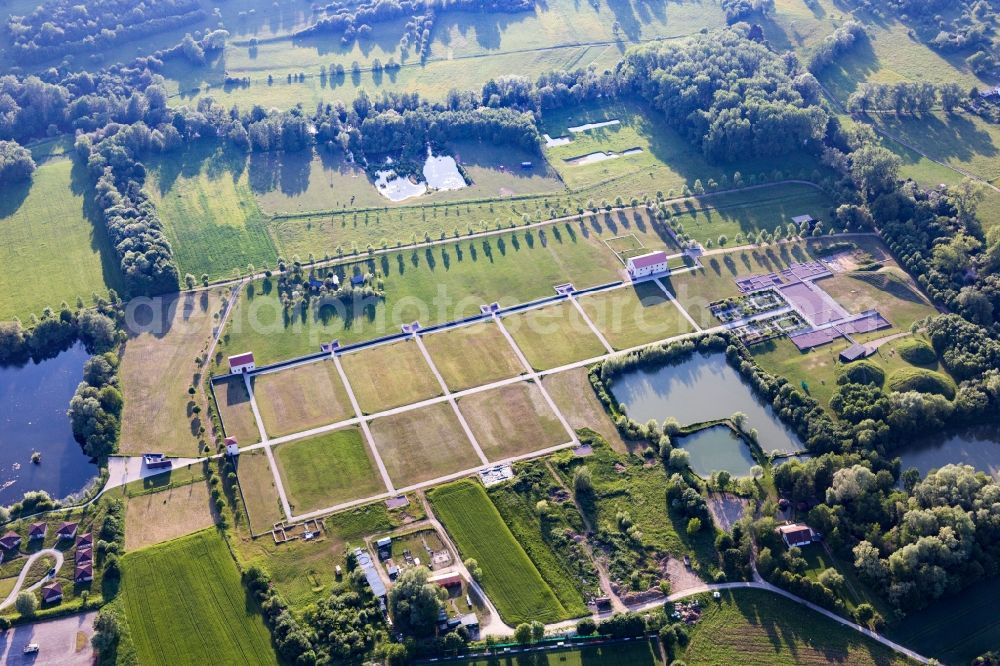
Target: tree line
x,y
16,163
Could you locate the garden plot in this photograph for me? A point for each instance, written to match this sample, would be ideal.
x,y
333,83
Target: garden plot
x,y
472,355
234,407
389,376
512,420
634,315
423,444
552,336
259,492
301,398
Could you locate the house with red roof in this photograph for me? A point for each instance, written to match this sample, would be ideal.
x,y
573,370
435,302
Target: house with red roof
x,y
84,572
241,363
37,531
10,541
232,447
645,265
86,540
52,593
796,534
84,554
66,531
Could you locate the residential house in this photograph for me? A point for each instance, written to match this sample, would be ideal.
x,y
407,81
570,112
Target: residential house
x,y
796,534
52,593
645,265
10,541
37,531
241,363
66,531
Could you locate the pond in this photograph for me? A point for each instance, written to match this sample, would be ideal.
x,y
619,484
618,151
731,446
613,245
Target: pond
x,y
716,449
699,389
441,173
394,188
977,446
33,403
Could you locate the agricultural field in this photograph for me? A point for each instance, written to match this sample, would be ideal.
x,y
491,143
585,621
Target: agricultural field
x,y
186,605
553,335
155,517
233,401
301,397
510,578
389,375
423,444
634,315
512,420
575,398
159,366
327,469
258,490
760,628
53,245
472,355
203,196
431,285
636,653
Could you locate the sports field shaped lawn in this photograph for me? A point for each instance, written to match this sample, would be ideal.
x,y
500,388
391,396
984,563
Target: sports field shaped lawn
x,y
157,369
186,605
53,246
574,396
327,470
512,420
389,375
259,493
472,355
756,627
301,397
509,577
431,285
634,653
234,407
203,196
152,518
553,335
423,444
634,315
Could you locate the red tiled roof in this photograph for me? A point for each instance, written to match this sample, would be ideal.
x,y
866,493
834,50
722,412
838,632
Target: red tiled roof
x,y
651,259
10,540
231,440
52,592
37,528
240,359
83,571
66,529
796,533
85,538
84,554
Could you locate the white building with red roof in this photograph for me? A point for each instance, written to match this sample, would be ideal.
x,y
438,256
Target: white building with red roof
x,y
645,265
241,362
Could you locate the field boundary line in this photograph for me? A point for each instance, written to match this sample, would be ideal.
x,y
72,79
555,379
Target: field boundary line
x,y
364,427
677,304
266,445
600,336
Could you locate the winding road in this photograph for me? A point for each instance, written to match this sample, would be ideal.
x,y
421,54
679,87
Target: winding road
x,y
24,572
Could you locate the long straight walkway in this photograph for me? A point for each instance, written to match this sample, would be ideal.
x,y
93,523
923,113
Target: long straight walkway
x,y
278,483
364,427
677,304
593,328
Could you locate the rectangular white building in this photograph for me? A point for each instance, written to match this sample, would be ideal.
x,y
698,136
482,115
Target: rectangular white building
x,y
645,265
241,363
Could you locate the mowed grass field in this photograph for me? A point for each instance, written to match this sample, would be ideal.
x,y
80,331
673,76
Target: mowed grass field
x,y
233,402
755,627
431,285
186,605
553,335
389,375
159,366
53,246
153,518
509,577
634,315
327,470
472,355
259,493
512,420
889,290
301,397
575,398
423,444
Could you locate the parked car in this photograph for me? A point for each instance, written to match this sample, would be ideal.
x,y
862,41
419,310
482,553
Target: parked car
x,y
31,648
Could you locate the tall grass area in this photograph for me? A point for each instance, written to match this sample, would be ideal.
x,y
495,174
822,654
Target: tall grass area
x,y
510,578
53,245
636,653
186,605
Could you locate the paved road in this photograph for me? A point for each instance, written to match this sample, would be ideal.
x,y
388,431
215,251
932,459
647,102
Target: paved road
x,y
57,640
52,552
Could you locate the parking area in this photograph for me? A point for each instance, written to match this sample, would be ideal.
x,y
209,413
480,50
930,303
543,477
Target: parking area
x,y
61,642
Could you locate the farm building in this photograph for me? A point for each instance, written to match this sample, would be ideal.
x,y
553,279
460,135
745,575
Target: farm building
x,y
371,575
232,447
66,531
652,263
52,593
37,531
155,461
241,363
796,534
446,579
799,220
853,353
10,541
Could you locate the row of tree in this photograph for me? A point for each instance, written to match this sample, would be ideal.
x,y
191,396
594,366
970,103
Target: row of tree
x,y
16,164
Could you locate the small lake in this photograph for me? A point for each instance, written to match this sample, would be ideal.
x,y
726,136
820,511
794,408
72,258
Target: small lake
x,y
716,449
978,446
394,188
701,388
441,173
33,403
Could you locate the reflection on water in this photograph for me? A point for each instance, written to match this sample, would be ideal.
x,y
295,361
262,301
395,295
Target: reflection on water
x,y
715,449
33,403
977,446
701,388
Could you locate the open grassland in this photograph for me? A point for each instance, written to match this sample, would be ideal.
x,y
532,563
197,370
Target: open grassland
x,y
636,653
889,290
301,397
326,470
575,398
755,627
423,444
159,366
390,375
509,577
431,285
472,355
186,605
153,518
53,246
553,335
259,493
203,196
634,315
234,407
512,420
955,630
467,48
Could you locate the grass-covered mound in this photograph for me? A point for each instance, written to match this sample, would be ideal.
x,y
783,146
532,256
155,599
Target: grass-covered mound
x,y
916,351
862,372
922,380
